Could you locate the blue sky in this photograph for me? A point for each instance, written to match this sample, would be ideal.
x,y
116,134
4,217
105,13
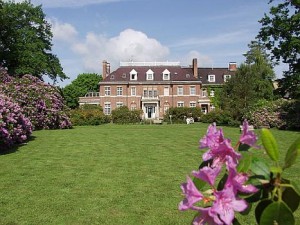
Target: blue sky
x,y
86,32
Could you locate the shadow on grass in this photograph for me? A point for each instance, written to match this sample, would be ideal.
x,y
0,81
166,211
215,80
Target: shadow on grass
x,y
15,148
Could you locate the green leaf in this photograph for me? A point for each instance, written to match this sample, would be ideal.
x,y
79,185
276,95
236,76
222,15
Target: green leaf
x,y
291,198
245,162
222,182
244,147
260,168
292,154
260,208
235,222
199,183
277,213
275,169
270,144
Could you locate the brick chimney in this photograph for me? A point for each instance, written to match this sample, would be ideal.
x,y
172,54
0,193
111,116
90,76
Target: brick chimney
x,y
104,70
195,68
232,66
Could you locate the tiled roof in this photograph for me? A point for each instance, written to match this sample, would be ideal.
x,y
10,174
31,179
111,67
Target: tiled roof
x,y
177,73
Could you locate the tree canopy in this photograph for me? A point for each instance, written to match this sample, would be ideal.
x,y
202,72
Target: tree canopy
x,y
86,82
25,41
280,32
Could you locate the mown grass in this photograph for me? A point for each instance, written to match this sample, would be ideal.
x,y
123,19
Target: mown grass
x,y
110,174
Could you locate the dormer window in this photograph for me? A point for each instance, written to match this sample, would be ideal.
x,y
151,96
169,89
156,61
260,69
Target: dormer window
x,y
112,77
133,75
150,75
211,78
166,75
226,77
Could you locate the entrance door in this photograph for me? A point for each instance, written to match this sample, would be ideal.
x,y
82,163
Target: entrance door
x,y
150,111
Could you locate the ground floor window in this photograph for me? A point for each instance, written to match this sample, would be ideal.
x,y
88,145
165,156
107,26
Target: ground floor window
x,y
180,104
107,108
119,104
192,104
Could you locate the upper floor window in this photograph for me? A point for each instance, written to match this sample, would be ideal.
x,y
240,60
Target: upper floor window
x,y
204,93
166,75
192,90
149,75
107,91
226,77
211,78
212,93
166,91
179,90
133,75
119,91
133,91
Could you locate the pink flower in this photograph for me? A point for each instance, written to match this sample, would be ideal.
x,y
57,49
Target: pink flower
x,y
248,137
212,138
206,216
226,204
208,174
192,195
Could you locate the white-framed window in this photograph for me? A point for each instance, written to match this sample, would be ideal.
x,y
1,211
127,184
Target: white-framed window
x,y
211,78
133,75
133,91
212,93
212,107
204,93
107,91
149,75
119,91
107,108
193,104
180,90
166,91
192,90
180,104
133,107
166,108
226,77
166,74
119,104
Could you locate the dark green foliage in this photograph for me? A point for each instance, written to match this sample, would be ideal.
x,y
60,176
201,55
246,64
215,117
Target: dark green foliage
x,y
280,32
86,82
179,114
220,117
291,115
25,41
88,115
123,115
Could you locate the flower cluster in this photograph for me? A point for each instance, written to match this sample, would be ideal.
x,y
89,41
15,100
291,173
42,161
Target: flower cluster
x,y
14,126
41,103
219,204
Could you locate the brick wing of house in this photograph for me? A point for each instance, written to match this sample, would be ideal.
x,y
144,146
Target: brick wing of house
x,y
154,87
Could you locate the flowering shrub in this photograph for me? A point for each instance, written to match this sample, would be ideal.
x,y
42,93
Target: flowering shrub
x,y
41,103
14,126
243,181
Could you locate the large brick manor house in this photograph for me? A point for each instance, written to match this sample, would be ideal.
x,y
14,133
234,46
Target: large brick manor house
x,y
154,87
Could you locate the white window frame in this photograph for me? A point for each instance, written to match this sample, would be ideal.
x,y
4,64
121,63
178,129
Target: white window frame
x,y
133,91
180,104
227,77
133,75
119,91
107,91
212,93
180,90
119,104
107,108
204,93
149,75
193,104
211,78
166,91
192,90
166,74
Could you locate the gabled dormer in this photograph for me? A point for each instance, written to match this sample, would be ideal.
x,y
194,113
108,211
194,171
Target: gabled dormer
x,y
166,74
149,75
133,74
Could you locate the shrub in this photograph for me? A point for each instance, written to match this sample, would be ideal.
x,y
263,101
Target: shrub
x,y
180,113
41,103
291,114
220,117
87,115
123,115
15,128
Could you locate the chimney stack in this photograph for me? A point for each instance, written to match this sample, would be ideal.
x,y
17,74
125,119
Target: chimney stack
x,y
232,66
104,69
195,68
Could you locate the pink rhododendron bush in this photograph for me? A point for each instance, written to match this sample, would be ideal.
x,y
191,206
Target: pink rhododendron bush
x,y
230,179
41,103
14,126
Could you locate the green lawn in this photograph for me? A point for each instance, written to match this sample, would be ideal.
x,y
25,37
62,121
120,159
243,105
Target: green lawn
x,y
109,174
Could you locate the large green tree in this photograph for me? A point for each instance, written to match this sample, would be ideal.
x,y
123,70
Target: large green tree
x,y
280,32
86,82
251,83
25,41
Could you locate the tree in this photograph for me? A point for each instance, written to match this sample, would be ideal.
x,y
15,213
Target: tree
x,y
252,82
280,32
25,41
86,82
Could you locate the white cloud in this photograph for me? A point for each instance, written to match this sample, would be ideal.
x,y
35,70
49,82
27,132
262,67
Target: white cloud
x,y
128,45
202,60
63,31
